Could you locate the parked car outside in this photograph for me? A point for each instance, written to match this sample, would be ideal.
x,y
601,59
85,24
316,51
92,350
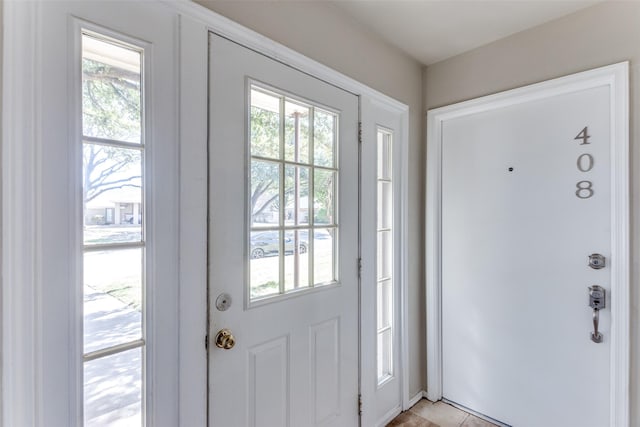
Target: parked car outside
x,y
268,243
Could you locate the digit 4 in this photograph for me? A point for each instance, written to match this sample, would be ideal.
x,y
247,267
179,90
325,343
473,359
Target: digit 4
x,y
584,136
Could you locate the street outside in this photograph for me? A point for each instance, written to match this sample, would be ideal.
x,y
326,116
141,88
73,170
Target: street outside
x,y
112,316
265,271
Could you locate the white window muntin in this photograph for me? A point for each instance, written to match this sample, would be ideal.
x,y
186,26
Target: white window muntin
x,y
385,278
282,162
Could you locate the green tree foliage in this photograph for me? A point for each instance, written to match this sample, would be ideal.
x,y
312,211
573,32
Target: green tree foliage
x,y
325,126
111,109
265,175
111,100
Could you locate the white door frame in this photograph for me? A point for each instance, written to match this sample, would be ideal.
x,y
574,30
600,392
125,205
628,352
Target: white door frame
x,y
617,79
23,200
196,23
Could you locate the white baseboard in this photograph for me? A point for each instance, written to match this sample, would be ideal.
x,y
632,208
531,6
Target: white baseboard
x,y
415,399
424,394
389,416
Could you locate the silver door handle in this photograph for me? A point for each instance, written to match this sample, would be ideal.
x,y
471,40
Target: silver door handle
x,y
595,335
597,301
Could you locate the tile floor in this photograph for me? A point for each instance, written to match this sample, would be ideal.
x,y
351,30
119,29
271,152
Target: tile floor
x,y
439,414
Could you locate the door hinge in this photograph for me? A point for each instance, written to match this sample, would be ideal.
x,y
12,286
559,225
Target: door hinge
x,y
359,404
359,132
206,342
359,267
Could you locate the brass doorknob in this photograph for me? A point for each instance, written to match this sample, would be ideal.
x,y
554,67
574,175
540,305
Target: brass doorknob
x,y
225,339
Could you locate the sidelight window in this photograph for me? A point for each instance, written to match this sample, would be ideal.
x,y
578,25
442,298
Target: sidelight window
x,y
114,248
385,250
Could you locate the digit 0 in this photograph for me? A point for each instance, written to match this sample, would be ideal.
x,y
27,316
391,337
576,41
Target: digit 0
x,y
585,162
584,189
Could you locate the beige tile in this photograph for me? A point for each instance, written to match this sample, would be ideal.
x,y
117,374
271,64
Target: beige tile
x,y
440,413
409,419
421,405
473,421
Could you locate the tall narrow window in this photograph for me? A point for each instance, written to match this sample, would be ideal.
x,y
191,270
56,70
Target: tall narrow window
x,y
385,276
292,194
113,153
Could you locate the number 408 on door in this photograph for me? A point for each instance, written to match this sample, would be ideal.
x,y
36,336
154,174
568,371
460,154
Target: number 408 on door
x,y
585,162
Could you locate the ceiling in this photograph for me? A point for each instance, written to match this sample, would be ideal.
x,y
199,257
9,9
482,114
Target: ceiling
x,y
434,30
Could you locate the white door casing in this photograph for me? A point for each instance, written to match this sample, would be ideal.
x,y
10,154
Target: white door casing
x,y
295,359
465,236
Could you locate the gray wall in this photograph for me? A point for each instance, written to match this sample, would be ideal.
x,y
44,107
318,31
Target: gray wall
x,y
597,36
322,32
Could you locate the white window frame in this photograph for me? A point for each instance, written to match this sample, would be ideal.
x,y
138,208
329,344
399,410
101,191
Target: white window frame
x,y
393,327
82,29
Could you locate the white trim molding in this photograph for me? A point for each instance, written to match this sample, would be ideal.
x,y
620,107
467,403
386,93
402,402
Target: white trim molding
x,y
256,41
21,195
616,77
194,117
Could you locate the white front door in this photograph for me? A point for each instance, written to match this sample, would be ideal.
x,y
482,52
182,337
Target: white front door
x,y
527,197
283,251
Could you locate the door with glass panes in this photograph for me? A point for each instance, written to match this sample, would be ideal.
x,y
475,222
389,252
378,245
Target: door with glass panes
x,y
283,244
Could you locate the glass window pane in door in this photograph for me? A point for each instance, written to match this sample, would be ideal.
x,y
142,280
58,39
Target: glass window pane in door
x,y
265,263
265,194
296,193
292,194
265,124
296,132
324,138
296,263
324,256
111,91
324,185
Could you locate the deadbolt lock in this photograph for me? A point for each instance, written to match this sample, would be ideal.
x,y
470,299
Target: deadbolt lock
x,y
225,339
597,261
